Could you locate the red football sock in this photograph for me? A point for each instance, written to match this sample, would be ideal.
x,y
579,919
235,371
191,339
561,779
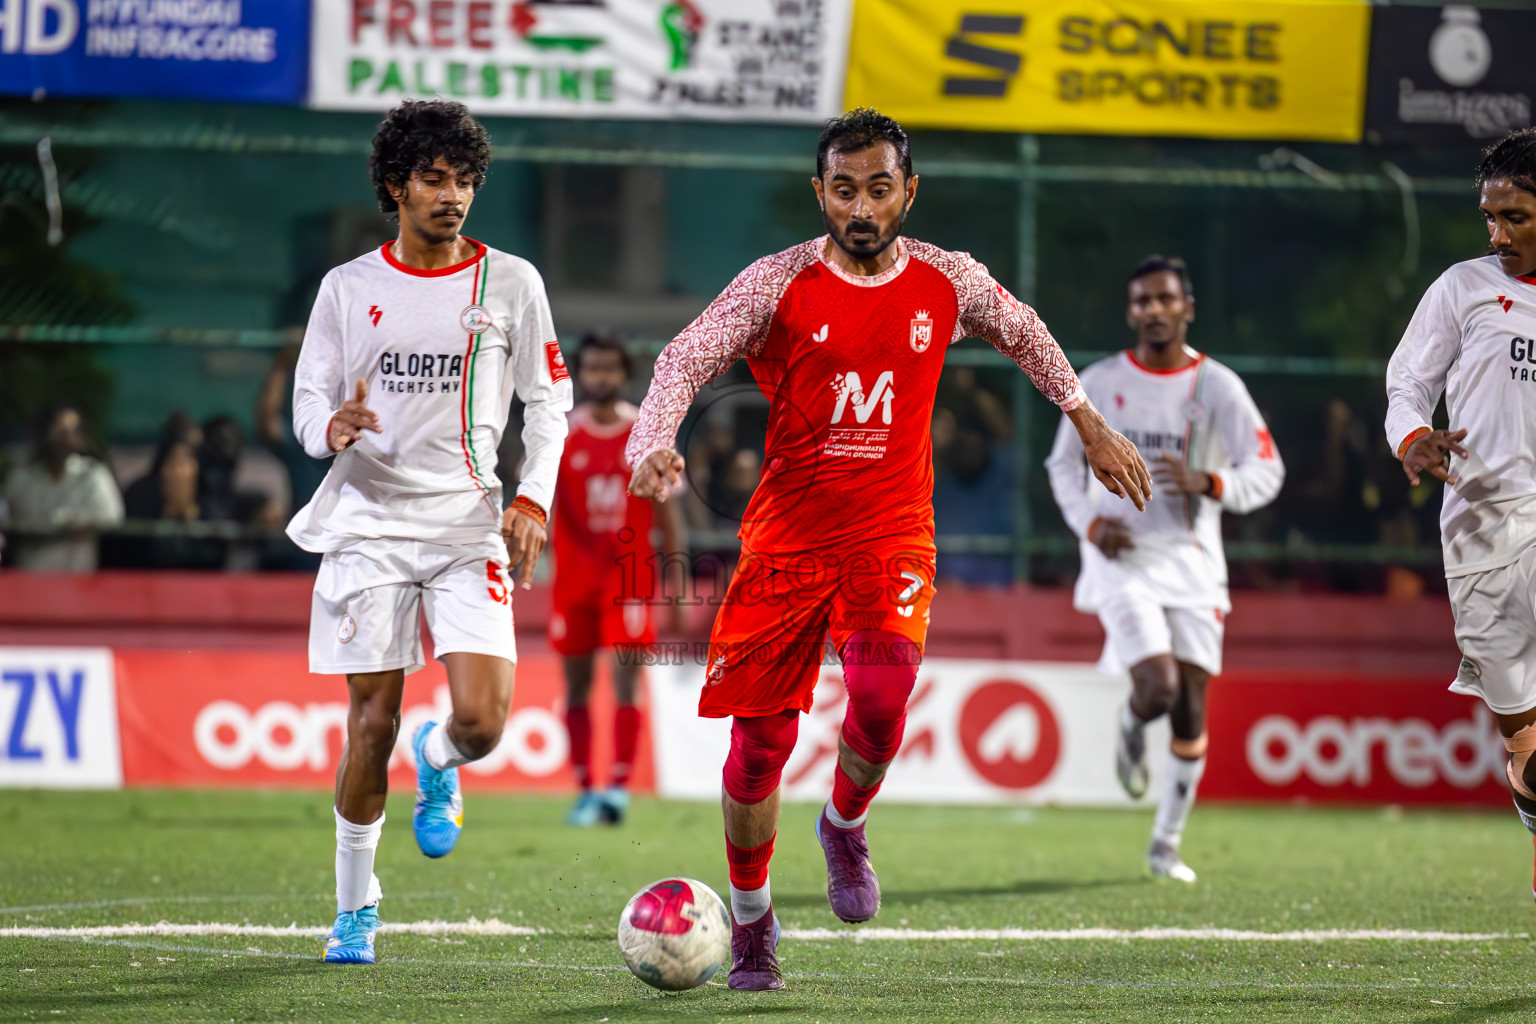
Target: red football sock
x,y
578,725
626,735
749,868
851,799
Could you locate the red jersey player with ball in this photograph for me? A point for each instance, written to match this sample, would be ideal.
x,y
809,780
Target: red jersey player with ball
x,y
846,335
605,570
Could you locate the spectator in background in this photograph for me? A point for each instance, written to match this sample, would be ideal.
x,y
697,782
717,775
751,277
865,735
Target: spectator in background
x,y
218,463
169,493
973,494
60,501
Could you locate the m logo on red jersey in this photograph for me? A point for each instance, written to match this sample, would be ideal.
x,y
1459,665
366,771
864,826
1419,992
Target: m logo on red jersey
x,y
375,312
1508,304
922,332
849,388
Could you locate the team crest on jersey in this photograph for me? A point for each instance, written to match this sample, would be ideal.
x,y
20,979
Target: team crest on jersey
x,y
557,368
475,319
348,628
1193,410
922,331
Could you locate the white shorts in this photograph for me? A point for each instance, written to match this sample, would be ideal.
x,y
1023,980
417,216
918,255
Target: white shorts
x,y
1136,628
1496,631
366,612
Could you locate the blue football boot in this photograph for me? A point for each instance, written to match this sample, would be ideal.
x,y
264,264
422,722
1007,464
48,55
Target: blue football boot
x,y
439,815
351,940
588,810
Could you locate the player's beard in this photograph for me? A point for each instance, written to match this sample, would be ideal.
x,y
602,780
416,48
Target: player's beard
x,y
875,248
600,396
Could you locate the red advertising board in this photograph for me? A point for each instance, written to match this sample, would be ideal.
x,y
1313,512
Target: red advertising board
x,y
258,718
1352,739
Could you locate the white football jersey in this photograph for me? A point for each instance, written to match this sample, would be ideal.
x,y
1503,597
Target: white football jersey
x,y
442,352
1201,415
1472,339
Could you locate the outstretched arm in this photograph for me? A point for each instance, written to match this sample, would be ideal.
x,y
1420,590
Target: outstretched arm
x,y
988,311
734,325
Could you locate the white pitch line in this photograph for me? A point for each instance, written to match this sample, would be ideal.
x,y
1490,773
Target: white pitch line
x,y
1137,935
494,927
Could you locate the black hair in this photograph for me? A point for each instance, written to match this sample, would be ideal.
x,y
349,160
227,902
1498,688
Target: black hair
x,y
43,424
1511,159
413,135
1157,263
178,429
859,129
601,342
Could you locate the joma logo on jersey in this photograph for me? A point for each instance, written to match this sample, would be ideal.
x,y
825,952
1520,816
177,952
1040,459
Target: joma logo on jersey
x,y
850,390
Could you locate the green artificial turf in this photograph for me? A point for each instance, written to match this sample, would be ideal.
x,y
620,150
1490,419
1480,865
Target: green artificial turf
x,y
87,859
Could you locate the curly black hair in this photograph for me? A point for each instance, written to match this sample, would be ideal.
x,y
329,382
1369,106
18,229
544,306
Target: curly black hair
x,y
859,129
1511,159
413,135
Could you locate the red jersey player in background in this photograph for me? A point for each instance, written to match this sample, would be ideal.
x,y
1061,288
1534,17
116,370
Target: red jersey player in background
x,y
846,335
605,571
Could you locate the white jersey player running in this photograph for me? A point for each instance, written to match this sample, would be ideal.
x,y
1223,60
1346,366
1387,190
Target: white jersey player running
x,y
411,360
1473,338
1158,578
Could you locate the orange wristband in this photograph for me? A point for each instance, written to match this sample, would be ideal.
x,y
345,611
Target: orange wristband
x,y
530,508
1408,441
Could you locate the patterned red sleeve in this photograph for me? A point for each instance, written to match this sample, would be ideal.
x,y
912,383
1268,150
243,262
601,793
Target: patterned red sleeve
x,y
734,325
988,311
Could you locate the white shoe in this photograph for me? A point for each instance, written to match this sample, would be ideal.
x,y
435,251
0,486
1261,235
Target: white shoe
x,y
1131,760
1164,861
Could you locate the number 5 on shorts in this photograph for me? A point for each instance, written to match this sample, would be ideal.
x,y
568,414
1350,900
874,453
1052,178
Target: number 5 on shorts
x,y
498,588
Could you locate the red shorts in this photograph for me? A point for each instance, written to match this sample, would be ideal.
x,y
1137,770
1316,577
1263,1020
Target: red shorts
x,y
582,620
770,635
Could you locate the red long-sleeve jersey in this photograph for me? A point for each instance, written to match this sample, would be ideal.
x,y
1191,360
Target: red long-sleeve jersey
x,y
849,366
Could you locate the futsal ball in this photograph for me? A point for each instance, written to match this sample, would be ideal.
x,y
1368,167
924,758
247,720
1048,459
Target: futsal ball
x,y
675,934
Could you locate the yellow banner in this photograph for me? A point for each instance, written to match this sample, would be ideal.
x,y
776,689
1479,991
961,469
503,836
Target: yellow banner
x,y
1288,69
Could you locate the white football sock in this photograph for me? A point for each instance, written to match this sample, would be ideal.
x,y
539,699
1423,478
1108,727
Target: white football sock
x,y
440,751
1179,787
356,887
748,905
842,822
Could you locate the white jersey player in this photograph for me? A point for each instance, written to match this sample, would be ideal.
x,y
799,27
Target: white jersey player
x,y
1473,339
1158,578
411,360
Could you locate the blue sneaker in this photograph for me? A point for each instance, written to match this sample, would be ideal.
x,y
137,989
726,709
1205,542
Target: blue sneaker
x,y
588,810
351,940
439,815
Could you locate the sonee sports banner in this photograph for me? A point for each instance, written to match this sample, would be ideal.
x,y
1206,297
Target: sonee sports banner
x,y
749,60
1270,70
